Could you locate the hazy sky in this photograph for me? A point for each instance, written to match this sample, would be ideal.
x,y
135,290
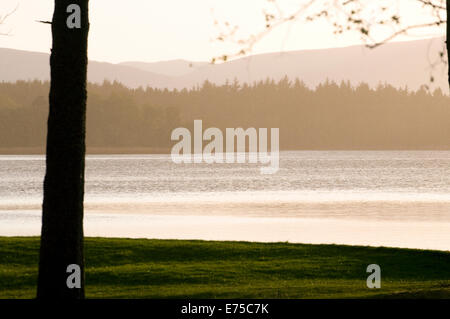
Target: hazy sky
x,y
150,30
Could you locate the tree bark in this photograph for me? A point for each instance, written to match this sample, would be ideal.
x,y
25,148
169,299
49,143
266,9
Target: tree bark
x,y
62,215
448,40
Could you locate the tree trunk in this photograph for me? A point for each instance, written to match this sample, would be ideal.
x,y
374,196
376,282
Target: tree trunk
x,y
448,40
62,216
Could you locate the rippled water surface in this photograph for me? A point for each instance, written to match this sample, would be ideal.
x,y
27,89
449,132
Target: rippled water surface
x,y
315,197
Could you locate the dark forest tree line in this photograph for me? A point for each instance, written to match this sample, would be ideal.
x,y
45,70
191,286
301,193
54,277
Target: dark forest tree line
x,y
331,116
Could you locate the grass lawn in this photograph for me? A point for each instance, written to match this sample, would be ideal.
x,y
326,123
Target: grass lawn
x,y
140,268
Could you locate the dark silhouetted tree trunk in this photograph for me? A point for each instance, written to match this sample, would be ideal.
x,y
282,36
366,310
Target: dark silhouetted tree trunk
x,y
448,39
62,220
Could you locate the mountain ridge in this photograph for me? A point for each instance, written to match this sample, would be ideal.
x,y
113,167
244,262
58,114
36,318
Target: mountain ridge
x,y
400,64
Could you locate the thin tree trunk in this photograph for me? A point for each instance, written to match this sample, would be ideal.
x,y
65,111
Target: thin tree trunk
x,y
62,219
448,39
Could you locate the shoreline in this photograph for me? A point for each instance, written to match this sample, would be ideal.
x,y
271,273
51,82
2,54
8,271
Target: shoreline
x,y
235,241
142,150
416,234
245,242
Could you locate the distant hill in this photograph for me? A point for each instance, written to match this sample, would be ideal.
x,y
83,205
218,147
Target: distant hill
x,y
24,65
398,63
172,68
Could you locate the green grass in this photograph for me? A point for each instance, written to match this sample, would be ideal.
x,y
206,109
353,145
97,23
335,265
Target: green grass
x,y
139,268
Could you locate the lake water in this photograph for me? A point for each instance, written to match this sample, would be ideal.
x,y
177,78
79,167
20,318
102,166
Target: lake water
x,y
378,198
